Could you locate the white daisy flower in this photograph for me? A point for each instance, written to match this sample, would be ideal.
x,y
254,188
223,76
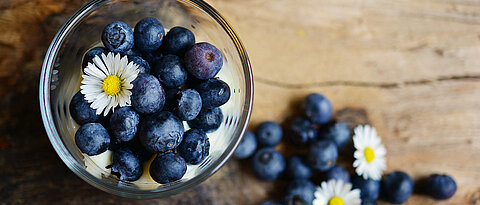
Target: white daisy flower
x,y
336,192
107,82
370,153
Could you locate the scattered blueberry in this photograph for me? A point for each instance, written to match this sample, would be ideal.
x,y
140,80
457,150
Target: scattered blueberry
x,y
170,98
214,92
299,192
81,111
177,41
270,203
194,147
126,165
188,104
143,65
269,134
118,37
397,187
124,123
92,139
203,60
247,146
322,155
208,120
369,188
148,34
161,131
297,168
170,71
268,164
148,95
318,108
97,51
440,186
338,132
301,131
338,173
167,167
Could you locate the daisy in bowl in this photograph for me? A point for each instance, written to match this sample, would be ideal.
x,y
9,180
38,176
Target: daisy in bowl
x,y
336,192
107,82
369,153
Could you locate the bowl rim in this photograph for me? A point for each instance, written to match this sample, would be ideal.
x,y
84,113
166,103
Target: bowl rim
x,y
69,160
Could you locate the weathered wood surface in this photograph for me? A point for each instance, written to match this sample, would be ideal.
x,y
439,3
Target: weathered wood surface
x,y
411,66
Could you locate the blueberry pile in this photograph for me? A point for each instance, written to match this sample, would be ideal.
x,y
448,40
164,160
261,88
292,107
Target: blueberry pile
x,y
316,143
177,83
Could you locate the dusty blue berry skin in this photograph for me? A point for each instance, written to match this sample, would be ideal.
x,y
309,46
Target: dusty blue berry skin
x,y
143,65
203,60
268,164
337,173
124,123
269,134
397,187
170,98
297,168
161,132
301,131
177,41
299,191
208,120
338,132
270,203
369,188
148,34
188,104
170,71
118,37
81,111
88,58
148,95
247,146
214,92
195,146
167,167
322,155
92,139
440,186
317,108
152,57
126,165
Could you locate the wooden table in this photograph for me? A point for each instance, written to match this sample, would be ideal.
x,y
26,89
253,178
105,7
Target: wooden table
x,y
409,67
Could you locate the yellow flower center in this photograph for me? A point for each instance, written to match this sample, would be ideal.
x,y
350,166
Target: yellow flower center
x,y
335,201
369,154
112,85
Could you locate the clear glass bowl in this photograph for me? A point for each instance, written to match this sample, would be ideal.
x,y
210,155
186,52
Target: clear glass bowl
x,y
61,74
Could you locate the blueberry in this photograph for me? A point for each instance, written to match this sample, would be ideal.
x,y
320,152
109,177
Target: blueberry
x,y
339,133
214,92
134,51
397,187
299,191
297,168
148,34
440,186
170,98
117,37
192,81
322,155
88,58
143,65
269,134
126,165
247,146
317,108
92,139
139,150
337,173
152,57
161,131
81,111
203,60
208,120
148,95
301,131
167,167
124,123
369,188
195,146
270,203
177,41
268,164
188,104
170,71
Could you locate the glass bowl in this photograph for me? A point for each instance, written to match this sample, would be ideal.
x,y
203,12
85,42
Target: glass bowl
x,y
61,75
